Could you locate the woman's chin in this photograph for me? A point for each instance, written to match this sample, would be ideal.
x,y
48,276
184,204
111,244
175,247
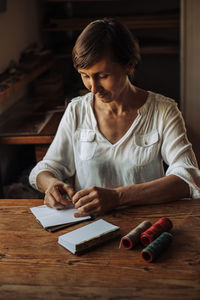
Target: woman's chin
x,y
103,97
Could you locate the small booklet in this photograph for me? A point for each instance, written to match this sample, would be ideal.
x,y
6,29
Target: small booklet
x,y
52,219
88,236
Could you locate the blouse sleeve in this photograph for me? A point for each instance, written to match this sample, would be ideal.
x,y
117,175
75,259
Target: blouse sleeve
x,y
177,150
59,159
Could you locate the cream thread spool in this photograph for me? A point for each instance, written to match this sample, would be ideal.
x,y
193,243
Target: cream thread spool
x,y
133,237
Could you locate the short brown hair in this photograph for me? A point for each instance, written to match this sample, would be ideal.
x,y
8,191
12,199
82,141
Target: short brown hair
x,y
101,36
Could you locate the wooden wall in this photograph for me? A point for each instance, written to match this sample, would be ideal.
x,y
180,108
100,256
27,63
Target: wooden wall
x,y
190,70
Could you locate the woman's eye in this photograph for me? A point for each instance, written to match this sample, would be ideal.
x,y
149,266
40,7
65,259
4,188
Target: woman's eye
x,y
85,76
103,76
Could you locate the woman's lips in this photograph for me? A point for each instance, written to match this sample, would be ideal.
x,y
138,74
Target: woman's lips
x,y
101,95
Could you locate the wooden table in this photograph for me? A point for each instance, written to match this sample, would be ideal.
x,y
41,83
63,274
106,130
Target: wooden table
x,y
34,266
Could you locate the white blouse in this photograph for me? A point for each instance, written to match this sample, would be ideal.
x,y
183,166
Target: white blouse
x,y
158,134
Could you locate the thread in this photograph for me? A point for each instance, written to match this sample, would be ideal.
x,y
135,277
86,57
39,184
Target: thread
x,y
162,225
133,237
152,251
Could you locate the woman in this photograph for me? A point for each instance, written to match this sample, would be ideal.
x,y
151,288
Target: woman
x,y
111,143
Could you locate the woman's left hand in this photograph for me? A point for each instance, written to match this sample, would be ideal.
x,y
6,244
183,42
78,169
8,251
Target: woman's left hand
x,y
95,200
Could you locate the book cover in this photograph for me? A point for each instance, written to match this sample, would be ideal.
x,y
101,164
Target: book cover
x,y
88,236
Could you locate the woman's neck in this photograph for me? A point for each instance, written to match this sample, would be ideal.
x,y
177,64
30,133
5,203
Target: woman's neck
x,y
130,100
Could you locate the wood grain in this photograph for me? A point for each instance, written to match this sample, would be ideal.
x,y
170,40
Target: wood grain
x,y
34,266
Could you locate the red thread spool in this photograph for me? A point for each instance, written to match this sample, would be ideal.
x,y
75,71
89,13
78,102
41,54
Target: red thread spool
x,y
162,225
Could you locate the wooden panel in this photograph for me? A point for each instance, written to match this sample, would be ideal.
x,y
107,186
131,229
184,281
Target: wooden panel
x,y
40,151
22,140
190,70
51,127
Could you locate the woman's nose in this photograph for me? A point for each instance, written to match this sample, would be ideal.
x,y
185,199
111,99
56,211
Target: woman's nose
x,y
95,86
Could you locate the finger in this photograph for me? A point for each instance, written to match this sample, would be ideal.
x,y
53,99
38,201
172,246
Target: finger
x,y
87,209
50,201
60,198
69,190
88,213
59,206
79,195
84,201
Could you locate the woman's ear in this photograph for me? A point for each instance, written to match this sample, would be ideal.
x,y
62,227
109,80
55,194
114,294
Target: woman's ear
x,y
130,68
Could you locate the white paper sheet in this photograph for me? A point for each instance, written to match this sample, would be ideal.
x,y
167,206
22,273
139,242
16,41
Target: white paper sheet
x,y
49,217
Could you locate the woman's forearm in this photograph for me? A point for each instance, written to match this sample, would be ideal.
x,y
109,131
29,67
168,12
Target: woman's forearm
x,y
166,189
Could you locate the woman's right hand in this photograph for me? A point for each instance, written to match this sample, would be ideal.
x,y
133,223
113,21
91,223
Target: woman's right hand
x,y
58,195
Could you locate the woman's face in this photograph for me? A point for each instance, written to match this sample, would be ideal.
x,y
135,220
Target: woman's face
x,y
106,79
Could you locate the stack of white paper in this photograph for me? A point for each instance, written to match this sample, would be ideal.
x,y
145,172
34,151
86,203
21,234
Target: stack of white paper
x,y
88,236
51,218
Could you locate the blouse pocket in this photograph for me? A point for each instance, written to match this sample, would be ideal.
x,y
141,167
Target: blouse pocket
x,y
145,148
86,144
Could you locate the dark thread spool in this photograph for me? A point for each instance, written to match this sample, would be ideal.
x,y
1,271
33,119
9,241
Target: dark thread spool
x,y
162,225
152,251
133,237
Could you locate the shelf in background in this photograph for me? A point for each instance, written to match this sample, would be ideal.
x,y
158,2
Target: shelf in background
x,y
46,136
164,49
157,49
132,22
57,1
14,87
31,121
